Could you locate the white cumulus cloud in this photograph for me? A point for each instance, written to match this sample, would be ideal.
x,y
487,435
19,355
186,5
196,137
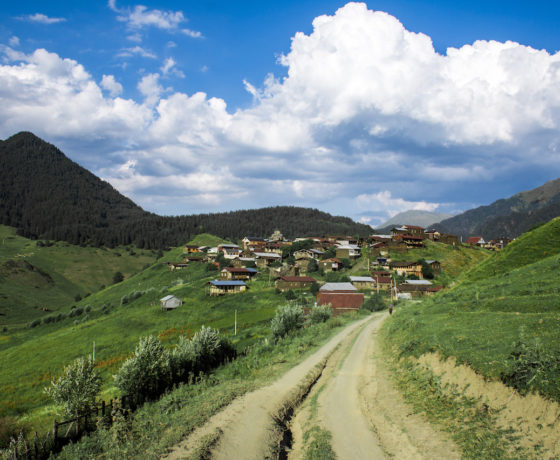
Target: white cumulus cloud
x,y
109,83
42,19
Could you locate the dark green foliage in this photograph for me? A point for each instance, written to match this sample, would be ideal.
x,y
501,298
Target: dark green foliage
x,y
427,270
346,263
118,277
211,267
329,253
66,202
34,323
312,266
314,288
291,295
375,303
9,428
296,246
77,297
531,366
223,261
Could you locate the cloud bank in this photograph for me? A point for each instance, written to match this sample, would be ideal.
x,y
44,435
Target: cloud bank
x,y
368,122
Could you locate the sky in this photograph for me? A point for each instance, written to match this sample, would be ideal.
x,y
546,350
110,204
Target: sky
x,y
357,109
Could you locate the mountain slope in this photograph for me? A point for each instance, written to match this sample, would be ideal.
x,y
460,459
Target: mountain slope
x,y
507,217
45,195
421,218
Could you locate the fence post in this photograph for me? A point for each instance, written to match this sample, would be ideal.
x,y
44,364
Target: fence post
x,y
55,433
103,408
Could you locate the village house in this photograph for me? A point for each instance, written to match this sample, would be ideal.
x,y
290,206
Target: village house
x,y
383,283
417,288
476,241
341,297
276,236
348,251
308,254
264,259
194,258
407,268
330,265
436,266
253,243
243,261
398,246
217,288
170,302
285,283
273,247
230,251
411,241
238,273
189,248
362,282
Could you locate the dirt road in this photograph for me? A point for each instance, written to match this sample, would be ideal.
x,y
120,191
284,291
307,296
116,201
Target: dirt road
x,y
351,398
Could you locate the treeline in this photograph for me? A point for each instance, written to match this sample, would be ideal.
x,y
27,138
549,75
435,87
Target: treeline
x,y
45,195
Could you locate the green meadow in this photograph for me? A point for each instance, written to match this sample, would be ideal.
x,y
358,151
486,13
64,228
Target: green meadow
x,y
501,317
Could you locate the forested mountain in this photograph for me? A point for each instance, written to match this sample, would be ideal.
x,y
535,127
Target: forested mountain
x,y
414,217
45,195
507,217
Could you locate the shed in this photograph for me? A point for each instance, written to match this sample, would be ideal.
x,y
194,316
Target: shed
x,y
294,282
169,302
338,287
362,282
341,302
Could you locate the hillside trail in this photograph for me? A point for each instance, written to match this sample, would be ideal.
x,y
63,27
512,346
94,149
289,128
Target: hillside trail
x,y
246,427
355,401
351,397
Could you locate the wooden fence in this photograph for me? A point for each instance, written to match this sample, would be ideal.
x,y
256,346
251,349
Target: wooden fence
x,y
70,430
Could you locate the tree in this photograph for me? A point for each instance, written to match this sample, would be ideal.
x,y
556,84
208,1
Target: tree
x,y
288,318
374,303
312,266
117,277
314,288
427,270
77,388
329,253
291,295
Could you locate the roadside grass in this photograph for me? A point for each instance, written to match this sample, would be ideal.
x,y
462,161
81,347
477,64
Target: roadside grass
x,y
56,275
318,444
159,425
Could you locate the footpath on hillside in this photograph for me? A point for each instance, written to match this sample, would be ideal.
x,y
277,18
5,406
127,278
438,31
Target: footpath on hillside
x,y
343,389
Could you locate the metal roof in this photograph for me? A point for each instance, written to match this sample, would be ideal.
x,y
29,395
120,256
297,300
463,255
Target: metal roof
x,y
337,287
166,298
227,283
418,282
362,279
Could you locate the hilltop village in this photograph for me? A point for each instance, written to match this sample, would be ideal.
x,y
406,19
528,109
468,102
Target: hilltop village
x,y
338,270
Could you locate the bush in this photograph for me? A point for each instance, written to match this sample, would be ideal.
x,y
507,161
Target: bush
x,y
209,349
77,388
146,374
375,303
88,308
531,367
34,323
124,299
312,266
118,277
211,267
77,297
288,318
291,295
320,314
182,360
314,288
9,428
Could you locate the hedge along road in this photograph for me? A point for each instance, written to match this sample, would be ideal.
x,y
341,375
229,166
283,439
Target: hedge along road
x,y
247,428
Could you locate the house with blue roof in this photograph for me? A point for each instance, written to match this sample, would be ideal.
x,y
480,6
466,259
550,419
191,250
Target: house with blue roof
x,y
219,287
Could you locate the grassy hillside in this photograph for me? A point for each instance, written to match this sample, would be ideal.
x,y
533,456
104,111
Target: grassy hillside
x,y
33,277
501,318
115,318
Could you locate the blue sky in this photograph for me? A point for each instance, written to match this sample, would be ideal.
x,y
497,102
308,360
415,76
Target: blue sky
x,y
191,107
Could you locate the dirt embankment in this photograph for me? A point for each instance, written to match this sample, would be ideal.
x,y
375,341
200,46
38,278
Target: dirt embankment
x,y
354,400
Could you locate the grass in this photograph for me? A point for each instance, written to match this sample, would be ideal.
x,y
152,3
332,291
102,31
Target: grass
x,y
34,277
481,320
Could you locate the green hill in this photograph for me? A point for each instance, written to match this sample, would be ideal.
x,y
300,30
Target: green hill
x,y
38,279
45,195
510,302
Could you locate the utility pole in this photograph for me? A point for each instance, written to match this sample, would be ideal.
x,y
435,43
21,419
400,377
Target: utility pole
x,y
93,356
235,327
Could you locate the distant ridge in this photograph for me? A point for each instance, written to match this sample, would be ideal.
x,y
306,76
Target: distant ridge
x,y
45,195
413,217
508,217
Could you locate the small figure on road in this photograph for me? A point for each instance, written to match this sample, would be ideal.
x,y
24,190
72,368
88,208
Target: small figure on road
x,y
390,308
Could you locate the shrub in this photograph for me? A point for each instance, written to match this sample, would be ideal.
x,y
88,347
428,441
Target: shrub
x,y
211,267
146,374
320,314
77,388
375,303
314,288
117,277
532,367
182,360
312,266
9,429
34,323
209,349
291,295
77,297
88,308
288,318
124,299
